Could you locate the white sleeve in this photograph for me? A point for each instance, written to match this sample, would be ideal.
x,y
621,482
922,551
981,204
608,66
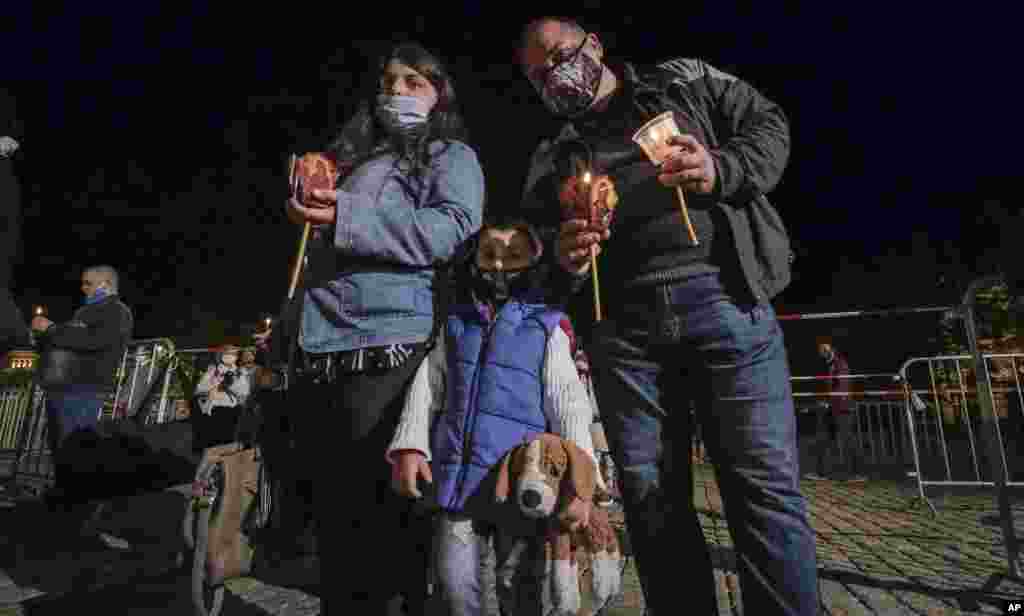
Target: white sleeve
x,y
423,401
566,403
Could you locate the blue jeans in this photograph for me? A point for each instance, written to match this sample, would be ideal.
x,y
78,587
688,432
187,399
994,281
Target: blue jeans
x,y
68,412
689,344
480,567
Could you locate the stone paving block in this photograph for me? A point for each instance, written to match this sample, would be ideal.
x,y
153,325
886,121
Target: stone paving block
x,y
877,600
889,555
922,603
837,600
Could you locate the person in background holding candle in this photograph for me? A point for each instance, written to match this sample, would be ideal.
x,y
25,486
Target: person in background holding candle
x,y
221,394
695,320
96,338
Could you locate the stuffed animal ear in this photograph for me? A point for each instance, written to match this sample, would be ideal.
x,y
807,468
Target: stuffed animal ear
x,y
504,483
582,473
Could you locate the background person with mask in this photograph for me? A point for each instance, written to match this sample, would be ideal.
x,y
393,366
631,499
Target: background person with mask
x,y
90,346
221,393
411,193
843,439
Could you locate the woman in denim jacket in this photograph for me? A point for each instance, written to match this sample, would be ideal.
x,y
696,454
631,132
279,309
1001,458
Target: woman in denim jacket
x,y
411,193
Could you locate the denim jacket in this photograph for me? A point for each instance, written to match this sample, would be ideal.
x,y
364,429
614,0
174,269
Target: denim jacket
x,y
369,278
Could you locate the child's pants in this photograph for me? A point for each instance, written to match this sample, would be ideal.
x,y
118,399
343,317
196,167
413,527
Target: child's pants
x,y
479,566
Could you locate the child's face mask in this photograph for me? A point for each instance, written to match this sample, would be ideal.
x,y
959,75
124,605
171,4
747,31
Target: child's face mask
x,y
503,261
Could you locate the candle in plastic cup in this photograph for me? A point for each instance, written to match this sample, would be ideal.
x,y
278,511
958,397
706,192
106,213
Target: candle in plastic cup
x,y
653,136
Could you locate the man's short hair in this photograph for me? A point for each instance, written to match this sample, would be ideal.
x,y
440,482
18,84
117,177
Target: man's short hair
x,y
568,23
107,273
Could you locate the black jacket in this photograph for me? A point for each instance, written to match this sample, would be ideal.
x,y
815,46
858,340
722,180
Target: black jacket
x,y
748,137
99,334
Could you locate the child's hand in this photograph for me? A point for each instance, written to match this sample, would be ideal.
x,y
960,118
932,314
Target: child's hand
x,y
576,515
408,467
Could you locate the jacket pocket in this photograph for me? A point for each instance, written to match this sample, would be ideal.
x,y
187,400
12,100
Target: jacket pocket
x,y
772,246
381,295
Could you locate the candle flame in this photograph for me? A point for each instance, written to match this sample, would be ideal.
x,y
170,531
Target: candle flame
x,y
39,310
586,177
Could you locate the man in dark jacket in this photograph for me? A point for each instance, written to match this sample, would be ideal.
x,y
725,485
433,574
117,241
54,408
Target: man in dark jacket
x,y
97,336
684,322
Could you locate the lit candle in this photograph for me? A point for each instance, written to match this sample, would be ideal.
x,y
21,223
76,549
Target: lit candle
x,y
593,247
40,311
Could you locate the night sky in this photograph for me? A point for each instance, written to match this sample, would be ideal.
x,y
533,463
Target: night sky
x,y
155,138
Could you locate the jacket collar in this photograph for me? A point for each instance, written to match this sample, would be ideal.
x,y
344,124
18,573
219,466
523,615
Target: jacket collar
x,y
484,313
643,87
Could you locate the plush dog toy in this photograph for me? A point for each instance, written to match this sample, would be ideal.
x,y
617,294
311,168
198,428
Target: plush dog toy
x,y
552,478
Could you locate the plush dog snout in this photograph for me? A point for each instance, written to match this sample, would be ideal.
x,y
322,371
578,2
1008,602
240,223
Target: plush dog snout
x,y
531,498
536,499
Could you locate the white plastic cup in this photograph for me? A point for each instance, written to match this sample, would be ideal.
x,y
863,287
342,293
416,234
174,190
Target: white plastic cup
x,y
653,137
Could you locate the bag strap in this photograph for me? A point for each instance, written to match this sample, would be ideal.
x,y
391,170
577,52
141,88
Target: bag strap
x,y
442,299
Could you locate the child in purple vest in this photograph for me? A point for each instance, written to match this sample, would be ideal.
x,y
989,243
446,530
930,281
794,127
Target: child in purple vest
x,y
503,372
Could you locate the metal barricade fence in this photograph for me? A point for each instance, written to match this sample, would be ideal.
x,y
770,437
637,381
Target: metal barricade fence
x,y
880,435
968,396
15,402
143,381
944,390
145,364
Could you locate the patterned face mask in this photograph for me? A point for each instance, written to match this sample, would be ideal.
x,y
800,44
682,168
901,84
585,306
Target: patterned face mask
x,y
571,86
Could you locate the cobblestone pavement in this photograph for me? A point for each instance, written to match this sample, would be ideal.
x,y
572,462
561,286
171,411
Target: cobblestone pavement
x,y
879,552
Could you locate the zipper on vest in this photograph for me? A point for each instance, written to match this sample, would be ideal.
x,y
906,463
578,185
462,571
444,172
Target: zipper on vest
x,y
467,436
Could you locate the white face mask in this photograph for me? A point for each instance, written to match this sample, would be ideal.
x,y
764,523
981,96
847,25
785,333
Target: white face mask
x,y
402,112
